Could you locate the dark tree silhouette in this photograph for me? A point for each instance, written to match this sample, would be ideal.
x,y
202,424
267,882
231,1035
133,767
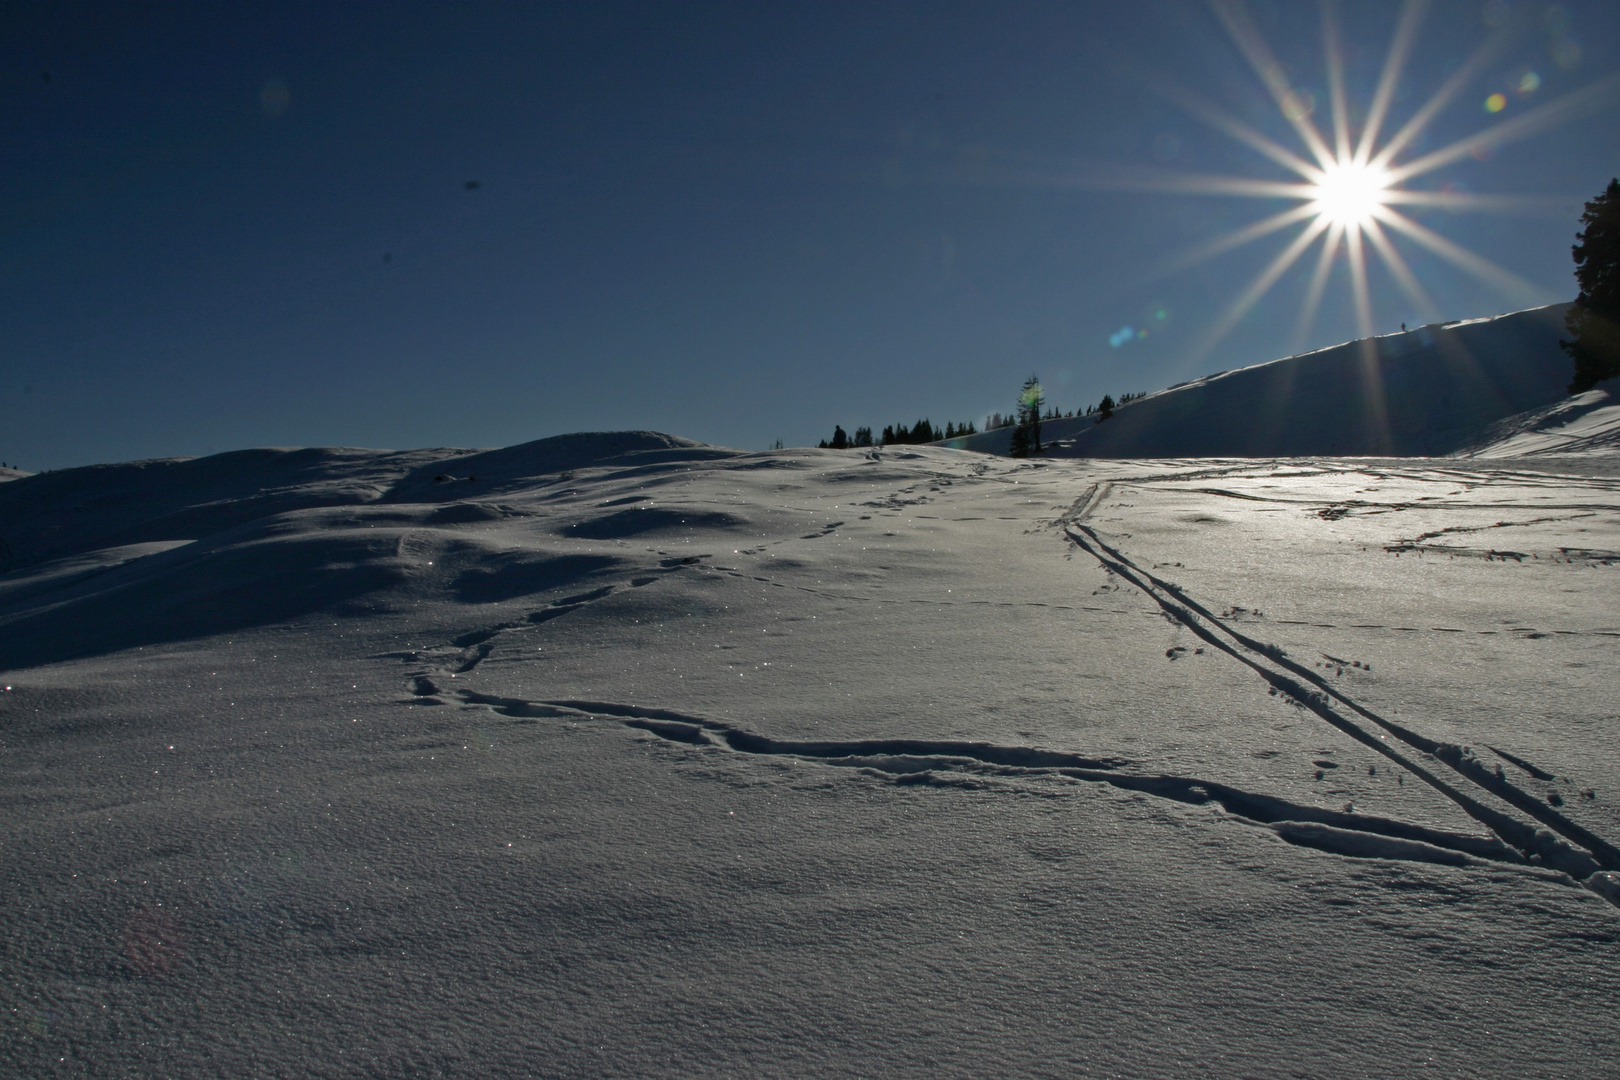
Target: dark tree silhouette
x,y
1019,447
1594,321
1026,438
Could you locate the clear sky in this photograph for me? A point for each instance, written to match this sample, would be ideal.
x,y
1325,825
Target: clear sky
x,y
398,225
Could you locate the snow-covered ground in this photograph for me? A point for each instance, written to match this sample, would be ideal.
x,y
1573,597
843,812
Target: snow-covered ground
x,y
1577,426
620,755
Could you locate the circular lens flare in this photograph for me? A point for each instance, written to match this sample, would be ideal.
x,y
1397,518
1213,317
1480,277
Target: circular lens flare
x,y
1349,194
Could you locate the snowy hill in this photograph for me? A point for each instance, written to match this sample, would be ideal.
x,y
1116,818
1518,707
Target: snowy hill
x,y
110,556
617,754
1430,391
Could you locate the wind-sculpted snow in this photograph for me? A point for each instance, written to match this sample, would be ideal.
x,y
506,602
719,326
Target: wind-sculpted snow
x,y
652,521
73,511
634,757
492,470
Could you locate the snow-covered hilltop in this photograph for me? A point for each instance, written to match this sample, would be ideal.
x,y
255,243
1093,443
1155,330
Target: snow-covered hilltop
x,y
617,754
1434,390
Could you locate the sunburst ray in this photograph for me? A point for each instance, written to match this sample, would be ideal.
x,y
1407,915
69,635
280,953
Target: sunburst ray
x,y
1505,282
1442,97
1402,273
1225,122
1254,48
1531,123
1333,51
1319,278
1236,238
1358,281
1261,285
1412,13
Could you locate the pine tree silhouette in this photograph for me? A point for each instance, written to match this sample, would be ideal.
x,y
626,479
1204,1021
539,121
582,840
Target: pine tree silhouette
x,y
1594,321
1026,438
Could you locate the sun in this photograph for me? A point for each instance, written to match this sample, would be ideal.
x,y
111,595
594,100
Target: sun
x,y
1351,194
1348,184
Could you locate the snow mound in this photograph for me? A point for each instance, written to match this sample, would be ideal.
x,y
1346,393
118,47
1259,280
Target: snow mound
x,y
447,479
1587,423
111,557
1431,391
72,511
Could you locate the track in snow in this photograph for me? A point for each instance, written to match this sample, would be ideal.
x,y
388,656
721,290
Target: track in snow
x,y
1549,839
1559,843
944,763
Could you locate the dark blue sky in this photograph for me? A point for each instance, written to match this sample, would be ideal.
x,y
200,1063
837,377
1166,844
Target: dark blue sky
x,y
238,225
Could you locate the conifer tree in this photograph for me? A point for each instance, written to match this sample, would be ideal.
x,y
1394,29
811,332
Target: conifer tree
x,y
1026,439
1033,400
1020,442
1594,321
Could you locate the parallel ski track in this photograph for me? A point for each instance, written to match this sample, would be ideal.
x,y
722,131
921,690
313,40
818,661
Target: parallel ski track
x,y
1560,843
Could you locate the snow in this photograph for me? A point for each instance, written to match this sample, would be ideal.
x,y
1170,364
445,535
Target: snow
x,y
1579,425
622,755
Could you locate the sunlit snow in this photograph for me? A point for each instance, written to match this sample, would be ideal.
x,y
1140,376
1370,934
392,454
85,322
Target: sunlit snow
x,y
623,755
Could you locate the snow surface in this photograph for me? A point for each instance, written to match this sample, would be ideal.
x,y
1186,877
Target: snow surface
x,y
1579,425
621,755
1430,391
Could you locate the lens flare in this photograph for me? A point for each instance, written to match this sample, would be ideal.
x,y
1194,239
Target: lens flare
x,y
1350,181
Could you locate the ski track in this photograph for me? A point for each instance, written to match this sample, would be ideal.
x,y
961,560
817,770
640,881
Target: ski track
x,y
1558,843
944,763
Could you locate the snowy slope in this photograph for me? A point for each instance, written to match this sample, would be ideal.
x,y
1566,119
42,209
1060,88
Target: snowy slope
x,y
621,755
1429,391
1582,424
